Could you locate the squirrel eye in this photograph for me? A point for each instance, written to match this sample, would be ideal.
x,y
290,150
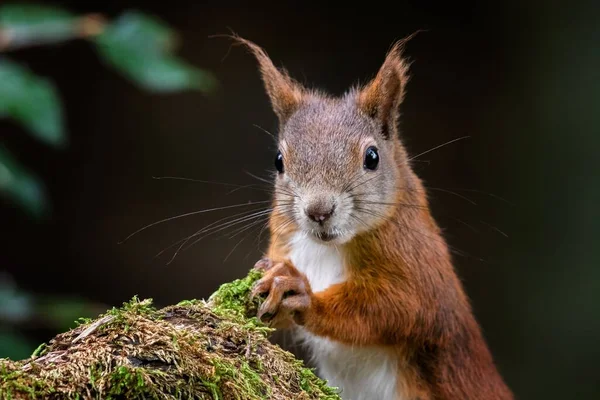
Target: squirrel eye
x,y
279,162
371,158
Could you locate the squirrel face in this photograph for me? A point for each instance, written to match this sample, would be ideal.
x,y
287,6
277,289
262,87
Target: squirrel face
x,y
336,172
339,160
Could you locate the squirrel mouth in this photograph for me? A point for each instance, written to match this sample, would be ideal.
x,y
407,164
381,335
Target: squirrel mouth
x,y
326,236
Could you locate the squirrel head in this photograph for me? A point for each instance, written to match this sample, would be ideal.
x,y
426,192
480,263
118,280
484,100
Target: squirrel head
x,y
338,167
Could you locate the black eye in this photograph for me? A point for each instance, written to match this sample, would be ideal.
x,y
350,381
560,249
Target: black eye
x,y
371,158
279,162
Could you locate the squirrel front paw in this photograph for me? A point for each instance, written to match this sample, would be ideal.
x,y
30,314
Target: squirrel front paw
x,y
288,293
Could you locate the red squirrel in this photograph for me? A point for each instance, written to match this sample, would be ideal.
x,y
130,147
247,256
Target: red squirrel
x,y
356,266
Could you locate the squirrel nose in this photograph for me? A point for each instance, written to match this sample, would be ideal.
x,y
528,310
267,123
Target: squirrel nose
x,y
319,213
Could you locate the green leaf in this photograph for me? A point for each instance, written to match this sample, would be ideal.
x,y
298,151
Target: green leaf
x,y
144,34
166,74
30,23
32,101
140,47
20,186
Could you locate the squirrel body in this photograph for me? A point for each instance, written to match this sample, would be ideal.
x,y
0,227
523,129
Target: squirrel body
x,y
357,267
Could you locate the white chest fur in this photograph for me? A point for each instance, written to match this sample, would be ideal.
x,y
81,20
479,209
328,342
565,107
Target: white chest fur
x,y
360,373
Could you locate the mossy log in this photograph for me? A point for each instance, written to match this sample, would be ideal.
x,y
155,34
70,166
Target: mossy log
x,y
214,349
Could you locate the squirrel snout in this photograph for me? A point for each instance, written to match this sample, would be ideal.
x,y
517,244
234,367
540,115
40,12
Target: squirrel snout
x,y
319,212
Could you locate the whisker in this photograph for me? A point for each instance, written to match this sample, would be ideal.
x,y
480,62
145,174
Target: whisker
x,y
265,131
451,248
234,185
247,226
453,193
259,239
260,218
487,194
437,147
380,215
275,190
465,224
236,246
259,178
494,228
238,243
253,186
181,178
360,220
352,179
190,214
404,188
289,219
362,183
177,251
287,192
430,188
250,186
280,229
381,203
247,212
215,229
212,230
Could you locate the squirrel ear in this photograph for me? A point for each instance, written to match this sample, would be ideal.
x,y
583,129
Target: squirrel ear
x,y
284,92
381,98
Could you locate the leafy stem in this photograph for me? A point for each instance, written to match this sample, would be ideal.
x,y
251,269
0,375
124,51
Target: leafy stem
x,y
83,27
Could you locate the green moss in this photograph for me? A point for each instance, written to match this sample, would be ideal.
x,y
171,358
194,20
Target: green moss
x,y
244,381
40,350
82,321
213,388
213,349
311,383
134,306
235,296
127,315
16,384
253,380
127,382
232,300
193,302
94,376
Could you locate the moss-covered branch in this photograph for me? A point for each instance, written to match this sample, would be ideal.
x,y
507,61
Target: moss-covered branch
x,y
197,349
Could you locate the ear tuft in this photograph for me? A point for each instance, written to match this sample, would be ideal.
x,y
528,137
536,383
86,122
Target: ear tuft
x,y
284,92
382,96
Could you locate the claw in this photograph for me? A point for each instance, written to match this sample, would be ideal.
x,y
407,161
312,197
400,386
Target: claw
x,y
267,311
285,291
266,316
264,264
258,289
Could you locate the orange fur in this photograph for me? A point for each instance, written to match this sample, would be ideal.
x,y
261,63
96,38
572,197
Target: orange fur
x,y
404,294
401,292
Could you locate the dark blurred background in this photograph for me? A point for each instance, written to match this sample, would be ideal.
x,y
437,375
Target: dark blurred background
x,y
521,80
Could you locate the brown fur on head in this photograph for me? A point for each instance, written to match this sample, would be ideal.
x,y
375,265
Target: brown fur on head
x,y
328,147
